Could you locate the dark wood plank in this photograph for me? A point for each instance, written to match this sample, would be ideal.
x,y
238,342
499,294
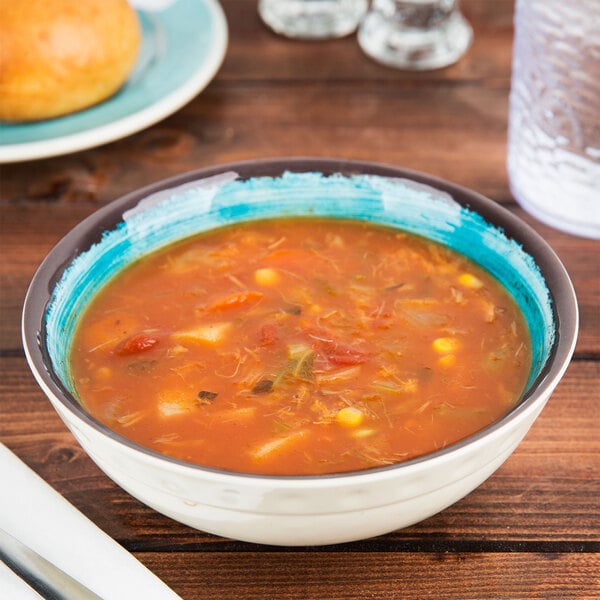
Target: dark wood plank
x,y
275,96
532,530
379,576
460,136
259,54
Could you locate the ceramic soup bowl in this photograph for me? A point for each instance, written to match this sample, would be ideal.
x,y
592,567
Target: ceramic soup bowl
x,y
299,510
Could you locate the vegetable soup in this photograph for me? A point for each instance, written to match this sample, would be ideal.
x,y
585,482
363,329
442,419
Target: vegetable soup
x,y
300,346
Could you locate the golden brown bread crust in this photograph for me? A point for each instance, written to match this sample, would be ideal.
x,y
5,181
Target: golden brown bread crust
x,y
60,56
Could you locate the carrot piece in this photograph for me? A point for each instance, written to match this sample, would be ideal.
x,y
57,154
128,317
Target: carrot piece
x,y
289,256
299,260
237,300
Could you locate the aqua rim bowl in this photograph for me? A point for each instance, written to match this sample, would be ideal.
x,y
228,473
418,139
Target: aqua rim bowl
x,y
299,510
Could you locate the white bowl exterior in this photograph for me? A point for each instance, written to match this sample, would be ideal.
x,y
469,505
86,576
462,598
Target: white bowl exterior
x,y
307,510
302,511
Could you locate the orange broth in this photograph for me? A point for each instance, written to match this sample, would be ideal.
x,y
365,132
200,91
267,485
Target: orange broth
x,y
300,346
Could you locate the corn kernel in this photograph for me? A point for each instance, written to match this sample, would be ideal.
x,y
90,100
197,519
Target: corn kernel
x,y
448,360
104,373
471,281
349,416
445,345
266,276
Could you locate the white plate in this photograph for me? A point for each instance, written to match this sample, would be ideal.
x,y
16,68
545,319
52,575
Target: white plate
x,y
183,47
38,516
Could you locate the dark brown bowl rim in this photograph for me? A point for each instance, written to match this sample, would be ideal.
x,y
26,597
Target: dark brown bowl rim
x,y
90,230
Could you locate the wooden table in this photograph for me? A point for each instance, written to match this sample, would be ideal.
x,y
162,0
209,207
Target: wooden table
x,y
533,529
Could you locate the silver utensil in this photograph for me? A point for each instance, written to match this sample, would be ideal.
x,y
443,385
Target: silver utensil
x,y
34,512
45,578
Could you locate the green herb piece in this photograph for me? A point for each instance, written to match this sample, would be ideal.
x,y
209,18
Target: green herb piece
x,y
279,426
302,367
141,367
301,358
294,309
263,387
206,397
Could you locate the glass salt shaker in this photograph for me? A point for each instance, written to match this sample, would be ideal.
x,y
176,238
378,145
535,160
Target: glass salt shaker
x,y
554,117
312,19
415,34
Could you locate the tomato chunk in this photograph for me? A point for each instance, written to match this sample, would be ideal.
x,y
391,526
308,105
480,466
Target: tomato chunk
x,y
269,334
338,353
136,344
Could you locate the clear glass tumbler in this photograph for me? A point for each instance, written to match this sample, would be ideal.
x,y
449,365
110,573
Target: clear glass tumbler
x,y
415,34
554,118
312,19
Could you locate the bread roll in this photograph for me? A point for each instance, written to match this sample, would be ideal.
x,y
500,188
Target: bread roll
x,y
60,56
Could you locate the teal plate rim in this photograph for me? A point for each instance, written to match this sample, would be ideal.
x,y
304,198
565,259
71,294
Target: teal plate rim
x,y
183,47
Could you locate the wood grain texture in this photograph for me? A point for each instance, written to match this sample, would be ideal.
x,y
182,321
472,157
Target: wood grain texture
x,y
392,576
277,97
532,530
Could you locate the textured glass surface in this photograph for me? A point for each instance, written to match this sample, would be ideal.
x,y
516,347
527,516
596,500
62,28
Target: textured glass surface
x,y
312,19
415,34
554,131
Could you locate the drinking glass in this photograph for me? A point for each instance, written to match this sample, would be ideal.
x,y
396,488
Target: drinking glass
x,y
312,19
554,117
415,34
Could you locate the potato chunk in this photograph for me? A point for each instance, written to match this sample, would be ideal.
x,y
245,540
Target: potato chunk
x,y
209,334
